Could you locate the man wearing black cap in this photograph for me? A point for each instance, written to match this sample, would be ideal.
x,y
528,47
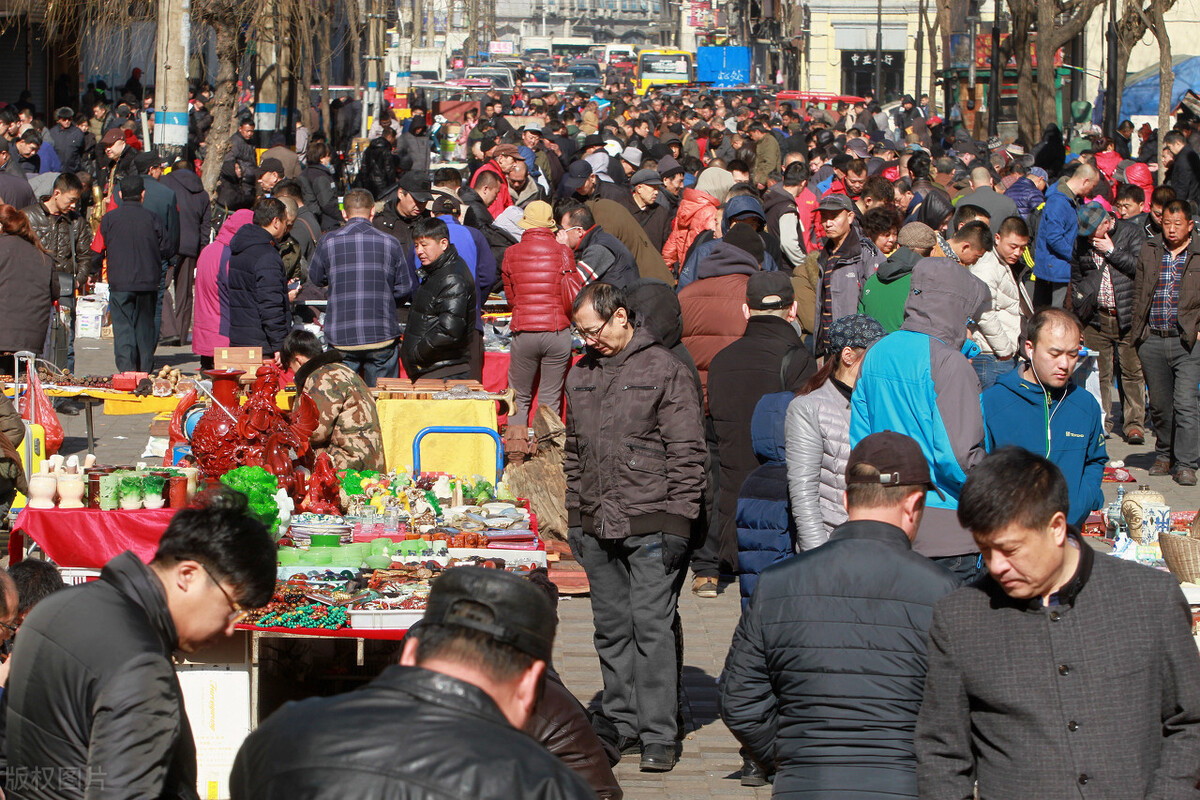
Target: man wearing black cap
x,y
398,216
846,261
136,244
67,140
443,722
644,187
769,357
270,172
825,676
671,173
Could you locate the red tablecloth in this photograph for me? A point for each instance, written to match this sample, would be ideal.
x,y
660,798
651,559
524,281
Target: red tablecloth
x,y
87,537
394,634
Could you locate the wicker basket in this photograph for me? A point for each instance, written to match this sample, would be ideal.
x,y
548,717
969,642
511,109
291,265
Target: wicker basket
x,y
1182,554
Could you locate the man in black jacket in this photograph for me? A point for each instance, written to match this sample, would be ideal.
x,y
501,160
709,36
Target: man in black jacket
x,y
94,705
67,140
825,676
600,255
436,341
320,189
1183,165
258,301
135,242
468,679
769,357
1105,264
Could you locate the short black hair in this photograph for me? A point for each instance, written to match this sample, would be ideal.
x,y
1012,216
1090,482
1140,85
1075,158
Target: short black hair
x,y
487,178
737,165
502,662
445,175
218,531
288,188
604,298
300,343
1178,206
31,137
358,200
795,174
1128,191
267,210
67,182
919,164
577,215
315,152
879,188
880,220
977,233
1012,225
855,165
430,228
1012,486
1174,137
36,580
1162,195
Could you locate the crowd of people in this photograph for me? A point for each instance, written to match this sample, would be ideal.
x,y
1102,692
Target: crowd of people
x,y
834,355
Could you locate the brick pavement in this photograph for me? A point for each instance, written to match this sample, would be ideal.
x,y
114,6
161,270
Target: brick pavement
x,y
710,764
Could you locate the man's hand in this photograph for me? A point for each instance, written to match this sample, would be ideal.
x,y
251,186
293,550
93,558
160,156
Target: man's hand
x,y
1104,244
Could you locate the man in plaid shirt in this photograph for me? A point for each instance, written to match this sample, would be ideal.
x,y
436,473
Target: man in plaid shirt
x,y
1166,314
368,277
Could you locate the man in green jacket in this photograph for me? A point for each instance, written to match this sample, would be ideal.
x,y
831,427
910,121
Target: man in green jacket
x,y
885,292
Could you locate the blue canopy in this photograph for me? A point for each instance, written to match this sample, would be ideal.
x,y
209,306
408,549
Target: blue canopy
x,y
1140,97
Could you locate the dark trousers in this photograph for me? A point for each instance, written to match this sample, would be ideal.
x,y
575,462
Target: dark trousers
x,y
707,555
475,353
158,301
534,353
1172,376
634,602
1109,344
373,364
134,337
1048,294
176,310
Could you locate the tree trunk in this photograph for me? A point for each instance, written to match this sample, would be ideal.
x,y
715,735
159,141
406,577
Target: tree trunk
x,y
931,42
1047,111
1166,78
1028,127
326,65
354,17
224,103
302,71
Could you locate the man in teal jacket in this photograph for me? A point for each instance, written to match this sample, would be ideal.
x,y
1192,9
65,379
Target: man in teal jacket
x,y
1040,409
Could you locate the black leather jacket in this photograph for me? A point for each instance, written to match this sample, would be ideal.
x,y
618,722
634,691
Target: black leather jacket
x,y
442,316
379,170
66,237
411,733
93,691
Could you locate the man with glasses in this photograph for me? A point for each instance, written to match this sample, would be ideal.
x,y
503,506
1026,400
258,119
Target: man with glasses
x,y
94,706
635,475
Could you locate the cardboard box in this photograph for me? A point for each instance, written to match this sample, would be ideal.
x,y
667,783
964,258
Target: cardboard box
x,y
247,359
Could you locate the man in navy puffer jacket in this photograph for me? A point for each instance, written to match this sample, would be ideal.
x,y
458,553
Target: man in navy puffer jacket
x,y
826,673
258,301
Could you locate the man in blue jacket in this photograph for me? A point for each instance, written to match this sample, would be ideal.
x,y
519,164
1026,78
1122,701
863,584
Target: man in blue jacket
x,y
260,315
918,382
1056,234
1040,409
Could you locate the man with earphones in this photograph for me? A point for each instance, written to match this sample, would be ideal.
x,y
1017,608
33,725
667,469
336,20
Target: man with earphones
x,y
1039,408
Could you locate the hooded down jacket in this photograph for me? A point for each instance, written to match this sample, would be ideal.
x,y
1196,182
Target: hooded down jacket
x,y
532,272
210,309
1026,195
1139,175
818,447
258,302
765,533
917,381
697,212
712,305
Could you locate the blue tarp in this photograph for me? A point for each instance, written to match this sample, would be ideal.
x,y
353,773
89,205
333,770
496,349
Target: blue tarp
x,y
1140,97
723,66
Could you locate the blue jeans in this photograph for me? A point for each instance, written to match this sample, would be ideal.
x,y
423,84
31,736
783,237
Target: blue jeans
x,y
964,567
990,369
373,364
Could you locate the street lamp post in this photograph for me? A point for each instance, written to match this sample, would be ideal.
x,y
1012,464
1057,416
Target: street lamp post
x,y
879,52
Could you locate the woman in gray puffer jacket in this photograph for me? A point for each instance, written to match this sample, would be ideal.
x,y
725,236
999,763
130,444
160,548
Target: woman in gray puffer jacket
x,y
817,432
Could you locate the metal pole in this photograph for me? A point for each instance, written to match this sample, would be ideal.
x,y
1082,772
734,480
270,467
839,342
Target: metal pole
x,y
994,82
879,98
1112,103
920,48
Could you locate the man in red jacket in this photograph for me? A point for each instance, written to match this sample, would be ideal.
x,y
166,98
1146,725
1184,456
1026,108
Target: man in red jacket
x,y
500,161
532,273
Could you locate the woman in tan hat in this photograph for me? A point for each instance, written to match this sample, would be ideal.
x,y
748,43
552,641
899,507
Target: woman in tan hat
x,y
532,272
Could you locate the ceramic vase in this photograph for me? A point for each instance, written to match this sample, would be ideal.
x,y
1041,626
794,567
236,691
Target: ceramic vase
x,y
70,490
42,487
1132,508
108,492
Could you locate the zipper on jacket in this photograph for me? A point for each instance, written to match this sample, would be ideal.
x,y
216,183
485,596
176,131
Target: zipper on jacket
x,y
583,388
651,388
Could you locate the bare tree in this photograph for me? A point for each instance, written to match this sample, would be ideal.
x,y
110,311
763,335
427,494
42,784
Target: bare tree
x,y
1131,27
1057,22
1166,75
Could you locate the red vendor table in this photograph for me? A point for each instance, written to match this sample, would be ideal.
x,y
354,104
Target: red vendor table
x,y
393,634
88,537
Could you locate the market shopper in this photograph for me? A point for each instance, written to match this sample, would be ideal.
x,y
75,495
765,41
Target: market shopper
x,y
824,679
347,420
997,330
1166,301
436,342
258,300
1019,697
533,272
444,722
94,704
635,476
210,306
135,244
368,276
195,221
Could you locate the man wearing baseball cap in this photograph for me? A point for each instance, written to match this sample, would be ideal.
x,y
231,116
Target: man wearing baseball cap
x,y
846,260
837,637
448,715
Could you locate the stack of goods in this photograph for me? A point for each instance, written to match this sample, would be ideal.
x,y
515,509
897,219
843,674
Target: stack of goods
x,y
70,485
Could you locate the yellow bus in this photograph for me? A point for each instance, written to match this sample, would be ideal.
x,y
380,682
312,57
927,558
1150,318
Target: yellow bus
x,y
656,68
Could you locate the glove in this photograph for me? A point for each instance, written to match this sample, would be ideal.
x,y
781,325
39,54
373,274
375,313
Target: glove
x,y
675,552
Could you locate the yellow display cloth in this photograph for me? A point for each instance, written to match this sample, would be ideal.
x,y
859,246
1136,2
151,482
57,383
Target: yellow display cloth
x,y
460,454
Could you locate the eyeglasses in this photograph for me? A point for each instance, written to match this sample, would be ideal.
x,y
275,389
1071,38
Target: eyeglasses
x,y
592,335
10,628
236,613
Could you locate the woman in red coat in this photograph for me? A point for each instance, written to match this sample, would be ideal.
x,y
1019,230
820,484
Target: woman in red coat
x,y
532,272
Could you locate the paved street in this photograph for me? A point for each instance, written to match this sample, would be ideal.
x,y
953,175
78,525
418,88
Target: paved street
x,y
710,763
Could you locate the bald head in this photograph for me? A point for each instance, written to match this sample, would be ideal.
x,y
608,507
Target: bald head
x,y
980,177
1083,181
